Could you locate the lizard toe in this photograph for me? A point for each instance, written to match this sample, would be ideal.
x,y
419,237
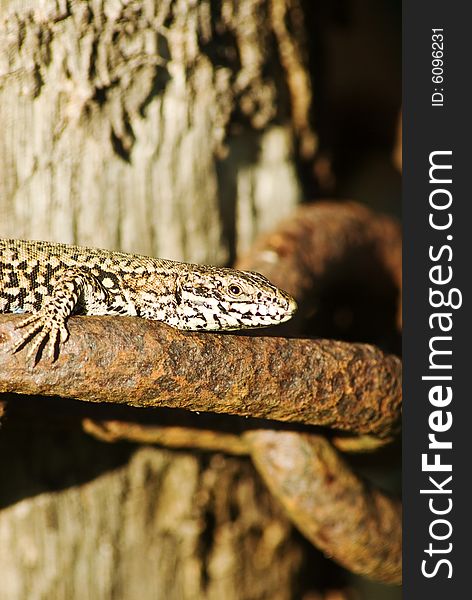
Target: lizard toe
x,y
52,345
33,329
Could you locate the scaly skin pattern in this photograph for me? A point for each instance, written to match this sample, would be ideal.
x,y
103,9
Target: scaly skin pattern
x,y
54,281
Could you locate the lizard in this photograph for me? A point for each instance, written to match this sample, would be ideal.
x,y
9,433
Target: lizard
x,y
53,281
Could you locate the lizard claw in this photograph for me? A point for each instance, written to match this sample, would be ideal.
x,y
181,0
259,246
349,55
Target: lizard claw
x,y
42,333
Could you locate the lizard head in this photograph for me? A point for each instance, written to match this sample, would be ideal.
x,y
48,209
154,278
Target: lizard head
x,y
212,298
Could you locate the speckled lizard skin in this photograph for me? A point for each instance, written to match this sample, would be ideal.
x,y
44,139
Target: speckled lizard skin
x,y
54,281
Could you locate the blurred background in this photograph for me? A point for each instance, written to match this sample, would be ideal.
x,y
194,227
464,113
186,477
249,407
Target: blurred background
x,y
184,130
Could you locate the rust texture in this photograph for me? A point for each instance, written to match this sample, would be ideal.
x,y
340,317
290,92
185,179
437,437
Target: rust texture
x,y
170,436
326,242
356,525
351,387
204,437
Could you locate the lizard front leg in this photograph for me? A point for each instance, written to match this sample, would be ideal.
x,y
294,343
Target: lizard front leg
x,y
46,329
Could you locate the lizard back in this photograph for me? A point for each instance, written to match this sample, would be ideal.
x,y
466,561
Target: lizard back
x,y
29,271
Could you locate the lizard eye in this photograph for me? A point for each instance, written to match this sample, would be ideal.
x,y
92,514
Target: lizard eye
x,y
234,290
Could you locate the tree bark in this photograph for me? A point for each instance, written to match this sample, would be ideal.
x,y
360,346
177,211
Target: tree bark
x,y
83,519
116,113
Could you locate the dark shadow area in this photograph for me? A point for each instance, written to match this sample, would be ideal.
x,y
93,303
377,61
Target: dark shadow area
x,y
238,156
43,447
354,49
36,458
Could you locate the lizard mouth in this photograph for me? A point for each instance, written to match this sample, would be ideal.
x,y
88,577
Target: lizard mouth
x,y
289,310
292,306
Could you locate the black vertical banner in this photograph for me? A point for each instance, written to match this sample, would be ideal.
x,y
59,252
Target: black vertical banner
x,y
437,262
